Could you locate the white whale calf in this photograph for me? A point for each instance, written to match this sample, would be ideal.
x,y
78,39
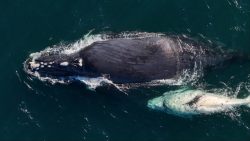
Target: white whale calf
x,y
194,102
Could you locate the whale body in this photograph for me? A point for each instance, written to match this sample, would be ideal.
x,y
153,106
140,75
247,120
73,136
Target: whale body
x,y
186,102
129,60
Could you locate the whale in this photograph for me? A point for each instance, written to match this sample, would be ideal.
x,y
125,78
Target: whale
x,y
189,102
129,60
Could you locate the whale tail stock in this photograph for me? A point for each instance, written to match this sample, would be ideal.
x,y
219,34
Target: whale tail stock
x,y
240,56
234,57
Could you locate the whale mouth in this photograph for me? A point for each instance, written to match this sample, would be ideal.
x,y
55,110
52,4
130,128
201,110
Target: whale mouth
x,y
55,66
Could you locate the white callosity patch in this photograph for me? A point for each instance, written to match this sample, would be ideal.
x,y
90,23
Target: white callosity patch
x,y
34,65
64,63
37,65
80,63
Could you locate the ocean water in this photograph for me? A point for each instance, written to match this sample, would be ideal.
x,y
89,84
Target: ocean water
x,y
34,110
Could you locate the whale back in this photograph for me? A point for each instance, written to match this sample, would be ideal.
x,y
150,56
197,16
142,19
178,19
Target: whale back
x,y
133,60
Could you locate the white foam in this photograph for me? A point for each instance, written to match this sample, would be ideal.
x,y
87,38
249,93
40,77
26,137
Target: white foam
x,y
35,55
84,42
185,77
80,62
93,83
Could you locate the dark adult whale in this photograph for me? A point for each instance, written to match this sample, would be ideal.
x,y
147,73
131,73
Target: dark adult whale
x,y
130,60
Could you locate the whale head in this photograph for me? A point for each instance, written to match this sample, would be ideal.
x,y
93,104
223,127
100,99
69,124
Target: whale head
x,y
179,102
156,104
56,66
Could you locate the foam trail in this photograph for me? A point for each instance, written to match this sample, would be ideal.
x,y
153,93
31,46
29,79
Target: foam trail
x,y
93,83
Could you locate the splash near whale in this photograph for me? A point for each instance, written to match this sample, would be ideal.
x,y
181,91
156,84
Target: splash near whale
x,y
131,58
